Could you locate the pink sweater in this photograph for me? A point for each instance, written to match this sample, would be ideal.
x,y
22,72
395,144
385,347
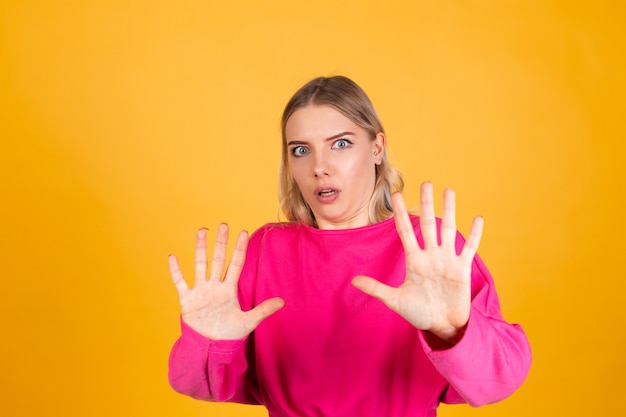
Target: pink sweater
x,y
334,351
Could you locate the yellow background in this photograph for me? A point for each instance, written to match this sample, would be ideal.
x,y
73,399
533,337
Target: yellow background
x,y
126,125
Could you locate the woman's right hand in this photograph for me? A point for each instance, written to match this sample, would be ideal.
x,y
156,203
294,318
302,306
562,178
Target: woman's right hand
x,y
211,307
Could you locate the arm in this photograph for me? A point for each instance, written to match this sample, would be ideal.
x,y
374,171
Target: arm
x,y
492,358
448,296
209,360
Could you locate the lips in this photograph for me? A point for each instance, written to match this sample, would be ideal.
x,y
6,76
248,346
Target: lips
x,y
326,194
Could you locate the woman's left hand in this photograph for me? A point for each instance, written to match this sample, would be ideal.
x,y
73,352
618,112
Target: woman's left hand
x,y
436,294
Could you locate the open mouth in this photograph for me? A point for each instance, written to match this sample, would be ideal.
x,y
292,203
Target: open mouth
x,y
326,193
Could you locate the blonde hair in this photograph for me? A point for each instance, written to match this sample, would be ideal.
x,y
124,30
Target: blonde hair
x,y
345,96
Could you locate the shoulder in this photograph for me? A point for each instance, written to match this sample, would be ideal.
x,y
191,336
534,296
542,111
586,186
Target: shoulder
x,y
278,228
276,232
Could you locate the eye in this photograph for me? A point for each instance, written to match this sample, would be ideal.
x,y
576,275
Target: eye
x,y
299,151
342,144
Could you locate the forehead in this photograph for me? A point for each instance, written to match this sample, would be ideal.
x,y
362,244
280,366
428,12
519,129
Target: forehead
x,y
315,121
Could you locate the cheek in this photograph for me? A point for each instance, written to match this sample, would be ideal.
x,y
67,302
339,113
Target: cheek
x,y
362,171
297,173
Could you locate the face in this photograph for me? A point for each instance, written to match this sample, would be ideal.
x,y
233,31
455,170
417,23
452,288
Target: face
x,y
333,161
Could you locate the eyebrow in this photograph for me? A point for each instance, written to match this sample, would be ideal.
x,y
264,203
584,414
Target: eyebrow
x,y
337,136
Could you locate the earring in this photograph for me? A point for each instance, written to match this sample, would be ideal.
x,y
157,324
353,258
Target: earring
x,y
375,152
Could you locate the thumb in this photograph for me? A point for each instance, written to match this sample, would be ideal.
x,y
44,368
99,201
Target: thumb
x,y
388,295
375,288
263,311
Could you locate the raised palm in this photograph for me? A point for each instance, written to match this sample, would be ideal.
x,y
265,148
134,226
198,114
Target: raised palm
x,y
436,294
211,306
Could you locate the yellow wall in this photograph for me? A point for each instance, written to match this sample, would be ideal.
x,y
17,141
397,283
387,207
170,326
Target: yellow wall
x,y
127,125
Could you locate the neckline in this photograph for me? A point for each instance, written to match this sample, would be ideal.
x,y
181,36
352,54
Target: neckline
x,y
360,229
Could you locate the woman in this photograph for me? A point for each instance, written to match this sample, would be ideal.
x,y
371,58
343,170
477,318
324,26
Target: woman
x,y
354,307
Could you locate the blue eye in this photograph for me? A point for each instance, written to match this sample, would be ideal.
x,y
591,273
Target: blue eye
x,y
342,144
299,151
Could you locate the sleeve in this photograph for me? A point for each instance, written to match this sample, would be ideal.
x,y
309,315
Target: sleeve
x,y
211,370
219,370
492,359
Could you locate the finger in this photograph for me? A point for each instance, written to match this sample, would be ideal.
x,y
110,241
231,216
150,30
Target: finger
x,y
448,222
219,253
201,256
473,239
238,259
262,311
428,223
177,276
377,289
404,226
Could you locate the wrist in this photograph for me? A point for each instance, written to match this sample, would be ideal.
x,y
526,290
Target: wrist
x,y
444,339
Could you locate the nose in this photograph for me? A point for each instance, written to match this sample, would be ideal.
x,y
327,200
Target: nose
x,y
320,168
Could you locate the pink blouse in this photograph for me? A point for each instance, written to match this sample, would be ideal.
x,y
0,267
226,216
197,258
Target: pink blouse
x,y
335,351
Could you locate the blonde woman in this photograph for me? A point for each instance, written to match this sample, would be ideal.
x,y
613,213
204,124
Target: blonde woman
x,y
353,307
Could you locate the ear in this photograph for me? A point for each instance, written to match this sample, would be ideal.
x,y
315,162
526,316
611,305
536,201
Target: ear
x,y
378,147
